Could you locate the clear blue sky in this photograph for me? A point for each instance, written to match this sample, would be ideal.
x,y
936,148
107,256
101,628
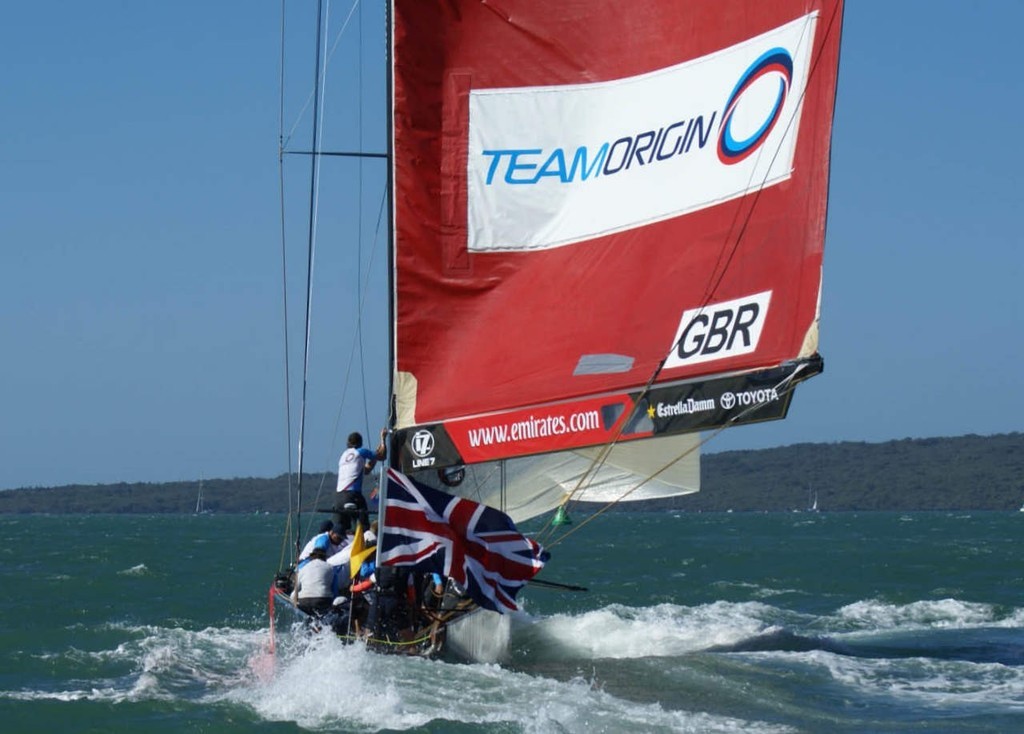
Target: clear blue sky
x,y
140,262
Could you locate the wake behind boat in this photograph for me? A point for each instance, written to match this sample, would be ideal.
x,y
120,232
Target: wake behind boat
x,y
601,244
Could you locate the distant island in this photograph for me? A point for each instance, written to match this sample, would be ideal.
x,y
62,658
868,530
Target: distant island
x,y
960,473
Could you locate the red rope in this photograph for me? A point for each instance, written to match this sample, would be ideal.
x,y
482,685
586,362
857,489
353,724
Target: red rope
x,y
270,608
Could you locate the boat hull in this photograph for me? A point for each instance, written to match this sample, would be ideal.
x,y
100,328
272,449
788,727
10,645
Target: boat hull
x,y
427,639
481,636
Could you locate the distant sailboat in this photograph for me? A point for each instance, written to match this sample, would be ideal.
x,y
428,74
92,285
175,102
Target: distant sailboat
x,y
200,506
814,501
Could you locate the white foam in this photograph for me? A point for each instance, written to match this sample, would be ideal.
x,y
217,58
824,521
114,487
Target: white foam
x,y
619,631
925,681
139,570
873,615
327,685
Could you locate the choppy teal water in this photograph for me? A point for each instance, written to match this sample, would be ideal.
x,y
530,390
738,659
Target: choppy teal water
x,y
694,623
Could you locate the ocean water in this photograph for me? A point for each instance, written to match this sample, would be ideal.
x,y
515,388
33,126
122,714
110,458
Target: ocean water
x,y
847,622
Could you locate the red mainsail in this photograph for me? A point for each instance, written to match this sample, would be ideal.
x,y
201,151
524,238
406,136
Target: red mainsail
x,y
609,217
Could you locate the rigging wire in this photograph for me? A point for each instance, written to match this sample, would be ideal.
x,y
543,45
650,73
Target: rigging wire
x,y
318,99
312,93
284,290
359,223
713,284
743,221
318,92
310,253
352,349
785,386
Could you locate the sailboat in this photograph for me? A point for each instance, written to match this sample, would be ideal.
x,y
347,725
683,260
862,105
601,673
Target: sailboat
x,y
607,236
200,503
812,500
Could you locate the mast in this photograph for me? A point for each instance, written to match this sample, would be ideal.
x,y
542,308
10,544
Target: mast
x,y
392,446
388,60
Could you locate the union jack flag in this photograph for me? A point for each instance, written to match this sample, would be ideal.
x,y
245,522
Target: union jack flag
x,y
476,545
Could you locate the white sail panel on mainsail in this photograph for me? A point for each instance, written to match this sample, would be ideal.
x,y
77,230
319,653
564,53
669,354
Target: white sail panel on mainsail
x,y
574,173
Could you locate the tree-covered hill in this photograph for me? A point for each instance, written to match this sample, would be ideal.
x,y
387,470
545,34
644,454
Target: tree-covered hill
x,y
966,472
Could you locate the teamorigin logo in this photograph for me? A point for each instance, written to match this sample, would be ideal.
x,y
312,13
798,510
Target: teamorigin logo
x,y
551,166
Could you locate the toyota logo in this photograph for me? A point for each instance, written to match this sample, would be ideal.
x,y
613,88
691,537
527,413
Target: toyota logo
x,y
728,400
